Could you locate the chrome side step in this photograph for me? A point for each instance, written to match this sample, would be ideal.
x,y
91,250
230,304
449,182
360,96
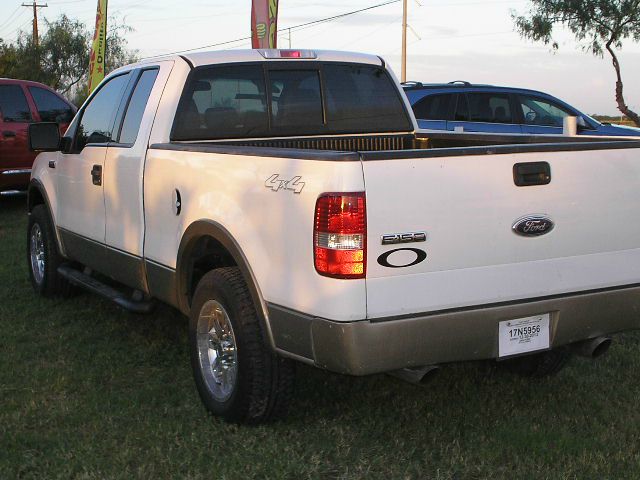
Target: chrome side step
x,y
76,277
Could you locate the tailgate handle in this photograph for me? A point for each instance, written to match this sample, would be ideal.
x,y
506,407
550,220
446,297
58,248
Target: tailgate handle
x,y
96,175
531,173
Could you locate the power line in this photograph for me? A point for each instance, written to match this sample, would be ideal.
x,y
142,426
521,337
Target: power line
x,y
10,18
13,36
16,19
301,25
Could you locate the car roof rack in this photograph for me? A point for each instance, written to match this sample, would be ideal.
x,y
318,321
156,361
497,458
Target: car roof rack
x,y
411,83
461,82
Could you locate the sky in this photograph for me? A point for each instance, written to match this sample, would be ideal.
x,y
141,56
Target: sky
x,y
470,40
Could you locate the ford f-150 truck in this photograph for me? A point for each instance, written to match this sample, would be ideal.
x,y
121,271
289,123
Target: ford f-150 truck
x,y
286,202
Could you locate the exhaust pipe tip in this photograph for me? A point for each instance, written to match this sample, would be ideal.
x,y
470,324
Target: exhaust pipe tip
x,y
594,347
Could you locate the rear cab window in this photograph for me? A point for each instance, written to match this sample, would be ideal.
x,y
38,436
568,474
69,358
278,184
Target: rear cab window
x,y
254,100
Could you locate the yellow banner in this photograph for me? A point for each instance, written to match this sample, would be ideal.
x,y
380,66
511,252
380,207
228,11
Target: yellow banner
x,y
96,58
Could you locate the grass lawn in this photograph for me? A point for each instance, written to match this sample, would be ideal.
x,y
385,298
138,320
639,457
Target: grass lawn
x,y
89,391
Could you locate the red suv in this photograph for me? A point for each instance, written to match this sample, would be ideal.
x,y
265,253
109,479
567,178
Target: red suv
x,y
21,103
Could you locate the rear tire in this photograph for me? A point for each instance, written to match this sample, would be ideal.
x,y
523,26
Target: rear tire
x,y
237,376
540,364
43,257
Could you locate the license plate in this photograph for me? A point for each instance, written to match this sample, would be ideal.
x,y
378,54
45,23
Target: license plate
x,y
523,335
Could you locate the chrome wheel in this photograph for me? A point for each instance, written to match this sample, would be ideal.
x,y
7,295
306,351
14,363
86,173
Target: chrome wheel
x,y
36,252
217,350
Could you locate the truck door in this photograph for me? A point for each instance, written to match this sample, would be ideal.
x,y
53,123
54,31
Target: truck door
x,y
124,170
81,210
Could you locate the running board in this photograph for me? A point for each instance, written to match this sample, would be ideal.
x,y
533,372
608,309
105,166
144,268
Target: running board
x,y
76,277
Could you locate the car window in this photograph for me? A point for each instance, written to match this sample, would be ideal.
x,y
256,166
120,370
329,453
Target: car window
x,y
96,124
462,109
299,102
433,107
13,104
51,107
137,104
489,107
362,99
536,111
222,102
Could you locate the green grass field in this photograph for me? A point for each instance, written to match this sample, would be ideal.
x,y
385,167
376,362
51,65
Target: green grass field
x,y
89,391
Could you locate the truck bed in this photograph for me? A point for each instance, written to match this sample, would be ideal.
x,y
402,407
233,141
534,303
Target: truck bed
x,y
423,144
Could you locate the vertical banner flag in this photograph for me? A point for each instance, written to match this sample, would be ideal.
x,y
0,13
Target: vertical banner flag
x,y
264,23
96,58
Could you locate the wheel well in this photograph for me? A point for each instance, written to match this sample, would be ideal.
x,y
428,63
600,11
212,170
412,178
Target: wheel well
x,y
205,255
35,198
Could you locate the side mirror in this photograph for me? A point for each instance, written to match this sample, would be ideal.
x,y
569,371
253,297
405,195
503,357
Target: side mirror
x,y
44,137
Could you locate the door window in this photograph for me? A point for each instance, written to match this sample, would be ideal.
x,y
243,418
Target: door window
x,y
96,124
489,108
51,107
13,104
136,107
536,111
433,107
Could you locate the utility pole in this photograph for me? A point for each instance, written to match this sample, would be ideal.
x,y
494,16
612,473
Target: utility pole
x,y
404,41
35,6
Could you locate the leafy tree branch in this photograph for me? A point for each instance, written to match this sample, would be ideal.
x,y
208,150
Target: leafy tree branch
x,y
598,25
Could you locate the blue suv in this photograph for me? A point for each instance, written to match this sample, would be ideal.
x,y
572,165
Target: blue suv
x,y
461,106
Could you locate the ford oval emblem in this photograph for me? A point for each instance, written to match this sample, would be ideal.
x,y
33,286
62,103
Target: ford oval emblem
x,y
533,225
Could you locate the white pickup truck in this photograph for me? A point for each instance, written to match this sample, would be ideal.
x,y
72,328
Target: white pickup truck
x,y
285,201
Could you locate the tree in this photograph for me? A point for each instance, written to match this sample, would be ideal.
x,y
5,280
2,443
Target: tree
x,y
598,25
62,58
64,54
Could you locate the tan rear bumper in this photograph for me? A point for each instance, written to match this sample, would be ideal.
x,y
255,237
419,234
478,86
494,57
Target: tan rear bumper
x,y
381,345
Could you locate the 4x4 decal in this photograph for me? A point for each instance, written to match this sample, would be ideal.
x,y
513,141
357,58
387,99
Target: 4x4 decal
x,y
275,183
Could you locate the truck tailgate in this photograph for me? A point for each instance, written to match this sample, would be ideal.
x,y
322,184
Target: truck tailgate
x,y
468,204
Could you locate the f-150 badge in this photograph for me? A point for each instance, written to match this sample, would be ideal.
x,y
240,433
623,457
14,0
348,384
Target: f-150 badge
x,y
275,183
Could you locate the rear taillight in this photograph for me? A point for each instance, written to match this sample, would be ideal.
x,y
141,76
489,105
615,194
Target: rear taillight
x,y
340,233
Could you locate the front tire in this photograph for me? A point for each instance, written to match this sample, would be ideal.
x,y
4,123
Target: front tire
x,y
236,374
43,257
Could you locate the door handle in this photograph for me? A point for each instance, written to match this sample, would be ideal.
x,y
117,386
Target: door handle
x,y
531,173
9,133
52,164
96,174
